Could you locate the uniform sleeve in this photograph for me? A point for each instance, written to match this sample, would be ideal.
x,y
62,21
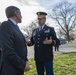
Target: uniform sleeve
x,y
32,40
9,53
54,37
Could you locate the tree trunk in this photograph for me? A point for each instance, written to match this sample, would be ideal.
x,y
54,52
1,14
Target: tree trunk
x,y
67,36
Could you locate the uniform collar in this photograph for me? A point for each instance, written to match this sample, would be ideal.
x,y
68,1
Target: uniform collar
x,y
42,26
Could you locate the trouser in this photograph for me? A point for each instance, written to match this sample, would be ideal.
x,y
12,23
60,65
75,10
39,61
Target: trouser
x,y
56,48
44,66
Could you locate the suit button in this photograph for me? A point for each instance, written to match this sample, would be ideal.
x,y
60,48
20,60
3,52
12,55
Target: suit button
x,y
38,38
38,35
38,41
49,49
38,45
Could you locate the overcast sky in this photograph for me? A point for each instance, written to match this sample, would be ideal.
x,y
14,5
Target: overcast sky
x,y
29,8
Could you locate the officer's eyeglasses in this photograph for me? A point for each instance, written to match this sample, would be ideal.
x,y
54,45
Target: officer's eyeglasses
x,y
41,18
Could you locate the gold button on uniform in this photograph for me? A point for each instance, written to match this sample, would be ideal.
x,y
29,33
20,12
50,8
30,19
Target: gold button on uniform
x,y
38,41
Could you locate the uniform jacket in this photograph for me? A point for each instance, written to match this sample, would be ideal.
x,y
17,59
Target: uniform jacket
x,y
14,50
43,52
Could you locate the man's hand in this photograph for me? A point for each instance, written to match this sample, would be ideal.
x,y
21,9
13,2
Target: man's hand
x,y
28,42
46,41
27,67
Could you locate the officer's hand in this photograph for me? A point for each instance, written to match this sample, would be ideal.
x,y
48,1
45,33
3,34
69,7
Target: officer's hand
x,y
46,41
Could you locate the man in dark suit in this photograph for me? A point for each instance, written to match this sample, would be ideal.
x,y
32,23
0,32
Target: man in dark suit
x,y
43,38
14,50
0,44
57,45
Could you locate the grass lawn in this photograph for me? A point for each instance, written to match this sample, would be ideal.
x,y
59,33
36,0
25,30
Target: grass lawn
x,y
64,64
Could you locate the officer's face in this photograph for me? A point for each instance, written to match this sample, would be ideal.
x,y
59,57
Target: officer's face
x,y
41,21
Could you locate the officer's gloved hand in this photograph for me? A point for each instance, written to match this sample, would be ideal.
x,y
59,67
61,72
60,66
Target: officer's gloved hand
x,y
46,41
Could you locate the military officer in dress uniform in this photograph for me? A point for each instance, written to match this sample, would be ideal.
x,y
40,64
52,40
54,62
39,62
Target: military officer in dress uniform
x,y
43,38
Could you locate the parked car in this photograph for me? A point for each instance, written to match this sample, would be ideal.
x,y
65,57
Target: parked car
x,y
62,41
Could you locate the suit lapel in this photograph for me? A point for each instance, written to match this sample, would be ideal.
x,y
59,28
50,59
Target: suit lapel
x,y
15,26
42,31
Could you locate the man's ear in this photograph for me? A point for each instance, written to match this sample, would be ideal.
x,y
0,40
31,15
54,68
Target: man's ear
x,y
15,13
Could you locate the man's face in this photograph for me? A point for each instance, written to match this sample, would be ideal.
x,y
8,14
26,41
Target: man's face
x,y
0,23
41,21
18,16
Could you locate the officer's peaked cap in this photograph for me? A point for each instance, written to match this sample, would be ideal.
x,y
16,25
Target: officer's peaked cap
x,y
41,13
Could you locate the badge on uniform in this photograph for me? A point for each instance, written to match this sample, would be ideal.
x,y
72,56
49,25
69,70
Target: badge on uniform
x,y
47,31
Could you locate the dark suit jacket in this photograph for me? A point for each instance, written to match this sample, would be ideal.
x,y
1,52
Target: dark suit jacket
x,y
43,52
0,46
14,50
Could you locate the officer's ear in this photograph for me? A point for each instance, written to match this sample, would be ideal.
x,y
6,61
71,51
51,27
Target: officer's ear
x,y
45,18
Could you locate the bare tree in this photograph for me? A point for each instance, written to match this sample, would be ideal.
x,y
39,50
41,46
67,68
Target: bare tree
x,y
61,34
23,1
28,29
65,15
75,36
27,2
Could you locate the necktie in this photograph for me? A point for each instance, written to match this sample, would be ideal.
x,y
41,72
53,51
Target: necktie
x,y
40,28
18,29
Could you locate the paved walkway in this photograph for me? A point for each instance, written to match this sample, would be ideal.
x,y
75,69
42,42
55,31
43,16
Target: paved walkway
x,y
66,48
62,49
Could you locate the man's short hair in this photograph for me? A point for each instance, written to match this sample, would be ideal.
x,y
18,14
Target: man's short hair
x,y
10,11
